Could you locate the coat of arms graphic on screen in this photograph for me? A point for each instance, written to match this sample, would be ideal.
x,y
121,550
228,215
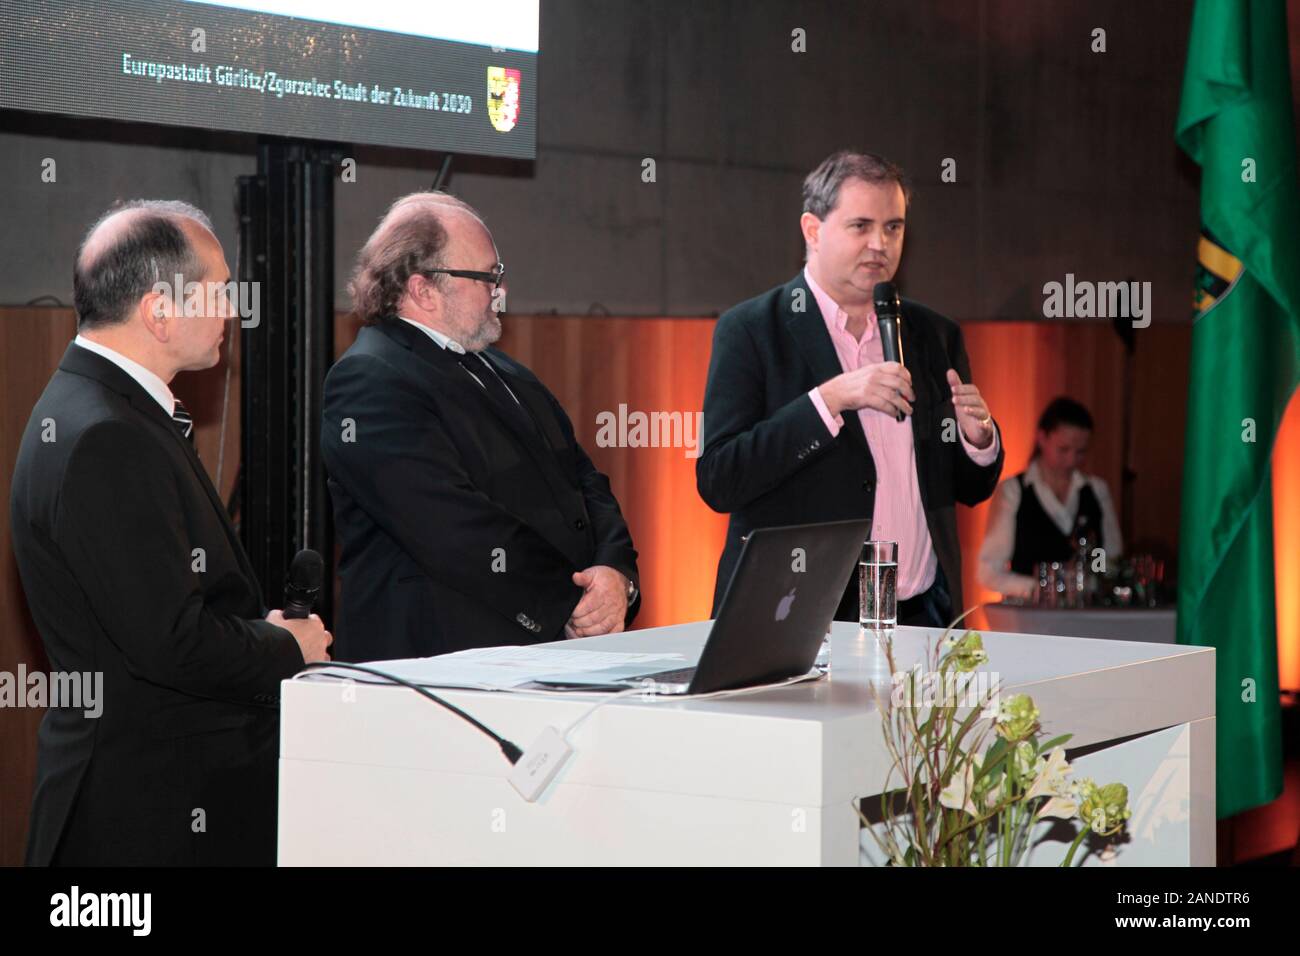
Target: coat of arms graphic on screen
x,y
503,97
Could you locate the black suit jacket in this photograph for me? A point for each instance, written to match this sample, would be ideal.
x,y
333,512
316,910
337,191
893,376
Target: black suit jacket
x,y
461,521
109,505
768,459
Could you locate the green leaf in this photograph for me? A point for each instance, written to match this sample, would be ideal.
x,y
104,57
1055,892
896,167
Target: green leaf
x,y
1054,742
995,762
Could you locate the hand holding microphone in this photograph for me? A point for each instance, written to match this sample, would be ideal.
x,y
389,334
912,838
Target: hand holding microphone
x,y
885,386
889,320
300,594
303,587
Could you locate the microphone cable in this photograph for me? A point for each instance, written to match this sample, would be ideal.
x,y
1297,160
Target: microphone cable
x,y
511,750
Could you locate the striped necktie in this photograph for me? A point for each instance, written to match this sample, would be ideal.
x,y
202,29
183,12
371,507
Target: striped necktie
x,y
181,416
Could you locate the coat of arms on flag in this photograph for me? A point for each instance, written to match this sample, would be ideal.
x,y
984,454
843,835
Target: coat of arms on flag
x,y
1216,270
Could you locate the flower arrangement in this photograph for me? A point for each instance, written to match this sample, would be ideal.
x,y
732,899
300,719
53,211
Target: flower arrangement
x,y
970,781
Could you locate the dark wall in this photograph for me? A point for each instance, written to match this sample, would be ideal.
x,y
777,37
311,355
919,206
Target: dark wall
x,y
1065,157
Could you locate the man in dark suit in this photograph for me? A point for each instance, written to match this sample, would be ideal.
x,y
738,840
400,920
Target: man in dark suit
x,y
800,410
132,570
468,514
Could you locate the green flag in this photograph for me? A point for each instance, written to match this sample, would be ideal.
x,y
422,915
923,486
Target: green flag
x,y
1235,121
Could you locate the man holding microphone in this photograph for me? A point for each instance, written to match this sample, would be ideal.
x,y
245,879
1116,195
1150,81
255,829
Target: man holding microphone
x,y
802,415
132,569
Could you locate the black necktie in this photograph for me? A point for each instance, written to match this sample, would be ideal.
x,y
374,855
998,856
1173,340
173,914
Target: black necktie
x,y
481,369
181,416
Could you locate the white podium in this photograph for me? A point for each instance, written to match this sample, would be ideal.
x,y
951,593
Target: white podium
x,y
378,775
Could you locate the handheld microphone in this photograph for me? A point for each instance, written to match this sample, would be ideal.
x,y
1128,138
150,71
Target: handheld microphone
x,y
303,586
889,318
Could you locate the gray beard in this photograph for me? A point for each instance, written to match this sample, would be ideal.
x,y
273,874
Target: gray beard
x,y
488,332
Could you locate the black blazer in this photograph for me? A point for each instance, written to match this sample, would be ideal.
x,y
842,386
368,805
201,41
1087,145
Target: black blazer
x,y
461,523
110,505
768,459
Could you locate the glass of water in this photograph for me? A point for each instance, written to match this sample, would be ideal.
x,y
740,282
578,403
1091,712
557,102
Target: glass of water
x,y
878,585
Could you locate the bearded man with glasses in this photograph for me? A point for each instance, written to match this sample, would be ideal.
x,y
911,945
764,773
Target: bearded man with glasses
x,y
468,514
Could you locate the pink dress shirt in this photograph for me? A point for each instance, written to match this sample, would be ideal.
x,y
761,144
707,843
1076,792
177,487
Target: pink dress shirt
x,y
898,515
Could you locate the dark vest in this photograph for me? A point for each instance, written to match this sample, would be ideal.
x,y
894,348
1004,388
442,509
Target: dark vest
x,y
1039,539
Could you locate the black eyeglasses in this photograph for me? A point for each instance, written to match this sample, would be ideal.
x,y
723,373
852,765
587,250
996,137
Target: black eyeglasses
x,y
494,277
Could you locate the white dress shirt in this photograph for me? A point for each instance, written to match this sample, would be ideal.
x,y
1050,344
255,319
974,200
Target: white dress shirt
x,y
150,382
1000,533
447,342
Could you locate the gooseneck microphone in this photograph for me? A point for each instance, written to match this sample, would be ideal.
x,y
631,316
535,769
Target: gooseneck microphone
x,y
889,319
303,586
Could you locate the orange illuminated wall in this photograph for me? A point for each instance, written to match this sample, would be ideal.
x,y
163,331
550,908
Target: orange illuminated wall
x,y
1021,366
1286,530
595,364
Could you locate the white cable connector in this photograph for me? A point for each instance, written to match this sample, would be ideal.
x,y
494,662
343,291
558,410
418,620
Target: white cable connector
x,y
540,763
550,751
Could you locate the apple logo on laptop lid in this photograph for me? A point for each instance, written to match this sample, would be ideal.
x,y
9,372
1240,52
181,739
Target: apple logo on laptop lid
x,y
783,606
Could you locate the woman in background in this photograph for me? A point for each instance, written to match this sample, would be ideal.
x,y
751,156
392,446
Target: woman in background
x,y
1040,514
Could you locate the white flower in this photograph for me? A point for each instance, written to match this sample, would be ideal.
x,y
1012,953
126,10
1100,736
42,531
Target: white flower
x,y
1051,779
956,796
1062,807
1051,782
